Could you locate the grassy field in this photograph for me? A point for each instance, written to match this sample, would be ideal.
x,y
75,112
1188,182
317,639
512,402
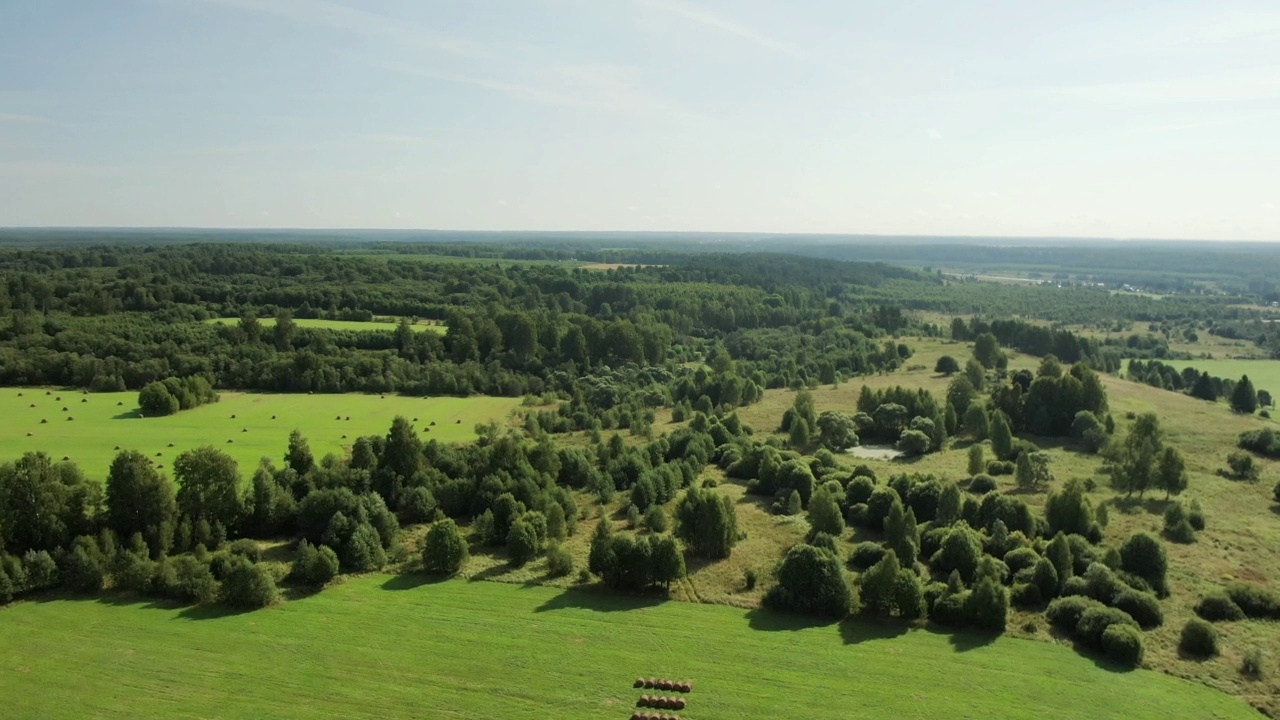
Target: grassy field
x,y
392,647
248,426
383,325
1265,374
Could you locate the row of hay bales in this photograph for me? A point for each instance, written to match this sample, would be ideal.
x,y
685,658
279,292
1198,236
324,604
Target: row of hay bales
x,y
653,716
661,702
683,686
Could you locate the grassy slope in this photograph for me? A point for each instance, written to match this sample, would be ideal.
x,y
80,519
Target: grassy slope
x,y
100,424
1264,374
1242,540
352,325
383,647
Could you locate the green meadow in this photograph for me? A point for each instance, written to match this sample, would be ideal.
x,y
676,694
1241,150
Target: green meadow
x,y
1265,374
381,325
395,647
248,426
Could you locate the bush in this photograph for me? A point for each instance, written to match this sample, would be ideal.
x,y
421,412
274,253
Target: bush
x,y
1095,621
559,561
1177,524
1195,516
1142,607
444,551
1199,639
1064,613
41,570
1243,466
1101,584
878,506
1253,665
1026,595
82,571
417,505
185,579
750,578
1075,586
1123,644
866,554
1218,607
859,490
982,484
1256,602
656,519
248,585
247,549
1020,559
1001,467
1144,556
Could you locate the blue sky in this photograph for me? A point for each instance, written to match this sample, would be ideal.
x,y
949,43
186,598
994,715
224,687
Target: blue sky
x,y
958,117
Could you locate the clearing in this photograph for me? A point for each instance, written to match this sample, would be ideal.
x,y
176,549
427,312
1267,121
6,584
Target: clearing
x,y
260,426
400,647
376,325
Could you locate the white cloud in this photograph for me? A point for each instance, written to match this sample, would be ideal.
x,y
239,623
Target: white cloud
x,y
933,134
1205,89
709,19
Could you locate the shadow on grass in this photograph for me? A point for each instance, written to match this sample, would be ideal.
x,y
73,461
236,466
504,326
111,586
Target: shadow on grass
x,y
600,601
777,621
965,640
411,581
128,415
1133,505
213,612
856,630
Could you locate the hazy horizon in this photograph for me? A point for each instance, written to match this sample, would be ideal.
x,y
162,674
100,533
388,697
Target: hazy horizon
x,y
997,120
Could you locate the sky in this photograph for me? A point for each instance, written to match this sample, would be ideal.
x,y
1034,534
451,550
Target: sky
x,y
1071,118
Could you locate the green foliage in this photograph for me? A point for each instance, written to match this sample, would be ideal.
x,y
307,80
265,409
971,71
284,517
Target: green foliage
x,y
1198,639
247,585
444,551
986,350
792,506
363,551
946,365
522,542
976,424
1254,664
901,535
825,515
1045,578
1171,475
655,519
1138,464
1217,607
1244,398
140,500
1144,556
208,486
987,605
185,579
914,443
1123,644
314,566
960,551
1177,524
1068,510
1256,602
1001,436
1142,607
1060,553
707,522
1243,466
559,561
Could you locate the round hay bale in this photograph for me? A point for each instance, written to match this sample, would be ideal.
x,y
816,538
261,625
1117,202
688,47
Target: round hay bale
x,y
338,418
344,437
664,684
244,429
120,404
33,404
229,441
69,418
64,408
28,434
457,422
642,701
84,400
159,454
273,417
415,419
233,417
59,398
433,423
43,421
348,417
685,687
649,682
678,704
19,394
48,392
66,458
639,683
382,397
170,444
117,447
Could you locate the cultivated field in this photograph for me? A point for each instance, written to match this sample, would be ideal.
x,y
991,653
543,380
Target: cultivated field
x,y
248,426
384,325
392,647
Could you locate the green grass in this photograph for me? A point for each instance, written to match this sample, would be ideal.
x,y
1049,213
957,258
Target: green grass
x,y
104,420
382,325
391,647
1265,374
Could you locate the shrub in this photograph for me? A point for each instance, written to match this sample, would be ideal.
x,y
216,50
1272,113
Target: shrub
x,y
1218,607
82,571
1001,467
1020,559
248,585
1195,516
1142,607
444,551
1243,466
1026,595
982,484
1253,665
1198,639
859,490
248,549
363,552
987,606
960,551
866,554
1045,577
750,578
1123,644
1095,621
559,561
314,566
41,570
1144,556
1256,602
882,498
185,579
1177,525
1101,584
1075,585
1064,613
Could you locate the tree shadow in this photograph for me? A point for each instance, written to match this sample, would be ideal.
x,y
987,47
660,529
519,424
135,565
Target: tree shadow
x,y
131,600
493,573
857,630
128,415
778,621
584,599
213,612
411,581
1135,505
966,640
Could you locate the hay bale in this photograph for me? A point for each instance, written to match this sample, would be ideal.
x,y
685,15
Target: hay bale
x,y
28,434
66,458
684,687
64,408
120,404
664,684
84,400
48,392
233,417
159,454
117,447
338,418
649,682
415,419
229,441
348,417
433,423
273,417
69,418
43,421
59,398
643,701
344,437
170,444
19,394
244,429
639,683
33,404
678,703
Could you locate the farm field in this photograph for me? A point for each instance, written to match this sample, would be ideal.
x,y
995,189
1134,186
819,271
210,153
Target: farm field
x,y
104,420
352,325
383,646
1265,374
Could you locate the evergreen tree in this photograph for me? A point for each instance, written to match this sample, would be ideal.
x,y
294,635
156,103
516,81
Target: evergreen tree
x,y
825,515
668,561
1171,475
1244,399
1001,436
977,463
445,551
299,458
976,424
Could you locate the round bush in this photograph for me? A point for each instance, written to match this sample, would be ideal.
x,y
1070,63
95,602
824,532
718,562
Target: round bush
x,y
1020,559
859,490
1199,639
1143,607
982,484
248,549
1095,621
1218,607
1101,584
866,554
1123,644
248,585
1064,613
559,561
1074,586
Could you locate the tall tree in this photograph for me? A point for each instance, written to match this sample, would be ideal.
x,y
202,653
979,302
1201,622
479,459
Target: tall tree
x,y
708,522
140,500
825,515
1171,475
1135,470
33,505
1001,436
299,456
986,350
208,486
667,561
